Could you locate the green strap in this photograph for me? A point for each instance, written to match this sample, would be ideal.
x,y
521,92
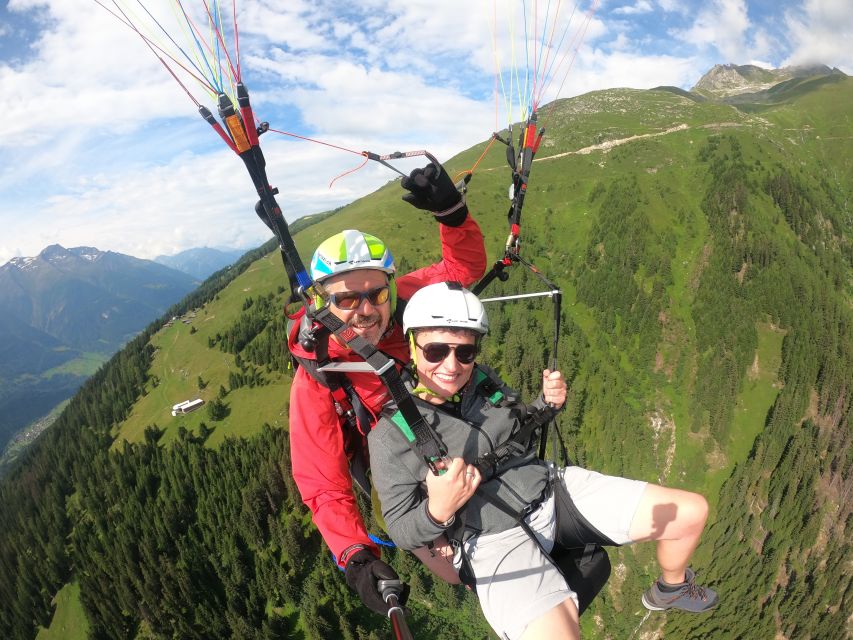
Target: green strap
x,y
403,426
497,396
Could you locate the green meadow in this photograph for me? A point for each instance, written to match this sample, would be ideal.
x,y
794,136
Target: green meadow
x,y
182,356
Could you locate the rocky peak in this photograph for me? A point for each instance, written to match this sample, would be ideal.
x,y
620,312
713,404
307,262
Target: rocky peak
x,y
726,80
54,252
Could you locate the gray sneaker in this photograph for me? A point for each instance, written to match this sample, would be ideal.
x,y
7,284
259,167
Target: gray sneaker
x,y
689,596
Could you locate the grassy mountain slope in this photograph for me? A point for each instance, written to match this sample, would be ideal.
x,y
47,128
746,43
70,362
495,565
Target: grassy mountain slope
x,y
704,254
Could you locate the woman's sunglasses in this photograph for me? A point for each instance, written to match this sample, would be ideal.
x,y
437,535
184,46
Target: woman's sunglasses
x,y
349,300
437,351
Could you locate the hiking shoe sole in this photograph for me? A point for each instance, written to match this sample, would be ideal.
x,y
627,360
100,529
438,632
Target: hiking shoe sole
x,y
689,597
652,607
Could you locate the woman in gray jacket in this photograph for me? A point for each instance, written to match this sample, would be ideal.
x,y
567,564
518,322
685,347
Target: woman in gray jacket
x,y
472,412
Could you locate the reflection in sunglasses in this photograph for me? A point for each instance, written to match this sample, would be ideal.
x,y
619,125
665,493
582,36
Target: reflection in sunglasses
x,y
349,300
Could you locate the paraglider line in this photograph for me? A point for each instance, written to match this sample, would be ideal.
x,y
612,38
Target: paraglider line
x,y
549,68
220,40
544,68
307,139
482,155
236,41
346,173
194,32
154,48
166,33
576,41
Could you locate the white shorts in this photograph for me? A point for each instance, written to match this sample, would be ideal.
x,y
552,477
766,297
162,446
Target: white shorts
x,y
516,582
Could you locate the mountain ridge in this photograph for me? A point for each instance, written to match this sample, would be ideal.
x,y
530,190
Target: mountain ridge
x,y
201,262
49,290
68,310
729,80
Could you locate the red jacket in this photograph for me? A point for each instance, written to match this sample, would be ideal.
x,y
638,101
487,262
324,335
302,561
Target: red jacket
x,y
320,448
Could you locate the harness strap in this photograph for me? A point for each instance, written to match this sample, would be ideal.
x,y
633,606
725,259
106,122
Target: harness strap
x,y
518,444
428,443
340,387
484,384
422,438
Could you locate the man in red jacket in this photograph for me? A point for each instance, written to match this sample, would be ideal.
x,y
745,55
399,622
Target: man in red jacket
x,y
356,277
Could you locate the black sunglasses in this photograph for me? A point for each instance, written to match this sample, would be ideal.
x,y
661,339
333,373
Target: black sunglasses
x,y
437,351
349,300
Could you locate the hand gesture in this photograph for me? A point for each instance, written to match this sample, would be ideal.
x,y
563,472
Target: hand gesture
x,y
553,388
448,492
431,189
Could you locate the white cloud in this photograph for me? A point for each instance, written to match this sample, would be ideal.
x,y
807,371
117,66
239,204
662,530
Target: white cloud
x,y
89,73
723,25
101,147
821,32
641,6
192,201
380,104
630,69
674,6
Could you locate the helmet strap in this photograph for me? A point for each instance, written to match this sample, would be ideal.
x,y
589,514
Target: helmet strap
x,y
319,295
413,351
422,389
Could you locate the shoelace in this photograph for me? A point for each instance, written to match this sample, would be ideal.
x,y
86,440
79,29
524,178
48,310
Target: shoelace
x,y
694,591
690,590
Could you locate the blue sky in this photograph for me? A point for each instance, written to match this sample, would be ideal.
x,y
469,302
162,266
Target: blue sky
x,y
102,147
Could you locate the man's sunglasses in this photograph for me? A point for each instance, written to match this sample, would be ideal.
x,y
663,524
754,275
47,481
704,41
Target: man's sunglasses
x,y
349,300
437,351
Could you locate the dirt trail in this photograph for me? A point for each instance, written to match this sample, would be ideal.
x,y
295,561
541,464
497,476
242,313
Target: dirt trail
x,y
609,144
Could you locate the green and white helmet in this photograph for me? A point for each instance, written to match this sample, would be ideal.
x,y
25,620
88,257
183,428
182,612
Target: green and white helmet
x,y
350,250
445,305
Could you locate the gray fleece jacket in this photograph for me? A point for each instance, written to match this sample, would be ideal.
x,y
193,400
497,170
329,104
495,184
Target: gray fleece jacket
x,y
486,417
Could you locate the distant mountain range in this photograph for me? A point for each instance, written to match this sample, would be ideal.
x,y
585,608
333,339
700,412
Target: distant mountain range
x,y
201,262
65,312
725,81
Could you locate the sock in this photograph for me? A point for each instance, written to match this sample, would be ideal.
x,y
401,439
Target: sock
x,y
669,588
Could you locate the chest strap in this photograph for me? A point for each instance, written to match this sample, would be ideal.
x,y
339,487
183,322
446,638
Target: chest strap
x,y
518,445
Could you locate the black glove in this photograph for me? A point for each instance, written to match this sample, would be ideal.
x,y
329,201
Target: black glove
x,y
433,190
363,571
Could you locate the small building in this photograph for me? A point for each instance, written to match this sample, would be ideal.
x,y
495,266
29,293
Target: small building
x,y
186,406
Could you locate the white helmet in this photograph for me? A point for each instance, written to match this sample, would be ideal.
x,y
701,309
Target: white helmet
x,y
445,305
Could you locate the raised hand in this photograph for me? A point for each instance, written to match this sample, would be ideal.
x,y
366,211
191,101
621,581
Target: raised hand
x,y
431,189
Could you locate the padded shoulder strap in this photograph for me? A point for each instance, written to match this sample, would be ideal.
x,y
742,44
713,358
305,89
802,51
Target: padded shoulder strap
x,y
487,387
422,438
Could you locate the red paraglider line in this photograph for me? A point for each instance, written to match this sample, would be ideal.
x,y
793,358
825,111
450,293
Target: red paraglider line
x,y
221,39
236,41
124,19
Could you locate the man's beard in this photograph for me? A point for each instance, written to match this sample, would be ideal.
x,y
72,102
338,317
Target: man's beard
x,y
369,324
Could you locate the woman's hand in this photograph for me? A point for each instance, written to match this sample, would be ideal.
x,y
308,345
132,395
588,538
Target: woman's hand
x,y
553,388
448,492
